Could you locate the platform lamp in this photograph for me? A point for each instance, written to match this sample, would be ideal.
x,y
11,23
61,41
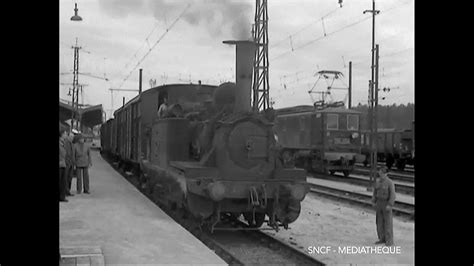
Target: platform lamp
x,y
76,17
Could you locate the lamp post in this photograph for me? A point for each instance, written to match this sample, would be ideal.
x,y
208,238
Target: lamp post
x,y
76,17
75,88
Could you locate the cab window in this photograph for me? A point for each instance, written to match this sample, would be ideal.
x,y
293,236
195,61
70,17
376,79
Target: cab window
x,y
333,121
352,122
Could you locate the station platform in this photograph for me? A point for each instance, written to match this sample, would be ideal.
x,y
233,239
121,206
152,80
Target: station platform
x,y
358,189
116,224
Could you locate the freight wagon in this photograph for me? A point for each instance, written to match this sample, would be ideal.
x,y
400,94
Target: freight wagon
x,y
394,147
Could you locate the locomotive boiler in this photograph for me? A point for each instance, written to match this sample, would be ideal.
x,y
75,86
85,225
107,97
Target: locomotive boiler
x,y
214,156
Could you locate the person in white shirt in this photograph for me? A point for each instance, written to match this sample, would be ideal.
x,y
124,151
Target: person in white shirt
x,y
163,108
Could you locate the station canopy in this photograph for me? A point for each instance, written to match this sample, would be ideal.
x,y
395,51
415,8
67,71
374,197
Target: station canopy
x,y
90,115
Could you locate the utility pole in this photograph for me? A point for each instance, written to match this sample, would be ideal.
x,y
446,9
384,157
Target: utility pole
x,y
373,155
376,115
112,92
261,86
349,104
374,118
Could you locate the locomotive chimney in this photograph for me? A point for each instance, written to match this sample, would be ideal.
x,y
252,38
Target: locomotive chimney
x,y
244,61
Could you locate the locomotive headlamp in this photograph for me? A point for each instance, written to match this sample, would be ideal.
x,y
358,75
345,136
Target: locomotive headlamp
x,y
216,190
355,135
276,137
298,192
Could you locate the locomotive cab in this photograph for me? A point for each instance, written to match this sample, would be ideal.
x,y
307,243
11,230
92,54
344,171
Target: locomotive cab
x,y
342,143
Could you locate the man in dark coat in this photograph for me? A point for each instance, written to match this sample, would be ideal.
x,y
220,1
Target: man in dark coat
x,y
82,161
68,145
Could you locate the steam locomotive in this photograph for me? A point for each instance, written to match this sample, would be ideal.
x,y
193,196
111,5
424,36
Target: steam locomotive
x,y
211,155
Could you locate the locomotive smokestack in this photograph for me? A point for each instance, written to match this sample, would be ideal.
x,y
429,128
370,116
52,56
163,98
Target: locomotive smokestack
x,y
244,60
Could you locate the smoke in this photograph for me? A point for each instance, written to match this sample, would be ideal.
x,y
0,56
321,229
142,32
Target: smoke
x,y
219,17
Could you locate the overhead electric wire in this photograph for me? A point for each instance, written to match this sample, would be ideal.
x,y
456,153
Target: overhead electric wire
x,y
340,29
156,43
146,41
320,38
304,28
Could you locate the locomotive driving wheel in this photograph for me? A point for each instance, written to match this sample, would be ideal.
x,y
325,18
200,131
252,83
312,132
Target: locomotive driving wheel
x,y
346,173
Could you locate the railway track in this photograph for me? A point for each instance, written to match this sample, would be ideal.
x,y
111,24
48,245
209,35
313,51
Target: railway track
x,y
256,247
407,177
400,208
242,247
407,171
361,181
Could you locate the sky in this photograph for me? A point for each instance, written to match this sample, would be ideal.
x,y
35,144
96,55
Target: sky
x,y
180,41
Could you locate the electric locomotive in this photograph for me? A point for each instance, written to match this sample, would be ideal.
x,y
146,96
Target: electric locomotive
x,y
323,140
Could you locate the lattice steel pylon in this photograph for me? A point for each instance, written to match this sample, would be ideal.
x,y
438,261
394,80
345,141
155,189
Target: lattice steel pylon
x,y
75,87
260,87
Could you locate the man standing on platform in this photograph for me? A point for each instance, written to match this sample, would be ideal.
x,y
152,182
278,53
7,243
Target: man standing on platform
x,y
82,161
62,166
383,199
68,145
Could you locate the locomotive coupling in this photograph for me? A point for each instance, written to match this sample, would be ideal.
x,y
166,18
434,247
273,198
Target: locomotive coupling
x,y
216,190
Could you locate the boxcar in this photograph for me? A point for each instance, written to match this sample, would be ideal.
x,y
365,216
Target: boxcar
x,y
106,136
326,140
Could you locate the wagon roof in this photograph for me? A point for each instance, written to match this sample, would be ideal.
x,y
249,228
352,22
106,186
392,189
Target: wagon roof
x,y
338,110
158,88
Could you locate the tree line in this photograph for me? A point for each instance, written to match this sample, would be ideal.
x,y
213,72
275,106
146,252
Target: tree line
x,y
394,116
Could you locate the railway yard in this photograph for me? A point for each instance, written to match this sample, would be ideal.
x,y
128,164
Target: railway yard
x,y
208,166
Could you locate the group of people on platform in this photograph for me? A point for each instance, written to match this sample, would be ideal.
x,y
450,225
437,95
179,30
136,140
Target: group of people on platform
x,y
74,157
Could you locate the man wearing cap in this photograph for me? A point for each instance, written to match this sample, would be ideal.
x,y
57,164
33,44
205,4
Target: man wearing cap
x,y
383,199
82,161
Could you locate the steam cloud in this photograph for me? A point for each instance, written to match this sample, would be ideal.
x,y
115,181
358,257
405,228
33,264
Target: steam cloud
x,y
218,16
